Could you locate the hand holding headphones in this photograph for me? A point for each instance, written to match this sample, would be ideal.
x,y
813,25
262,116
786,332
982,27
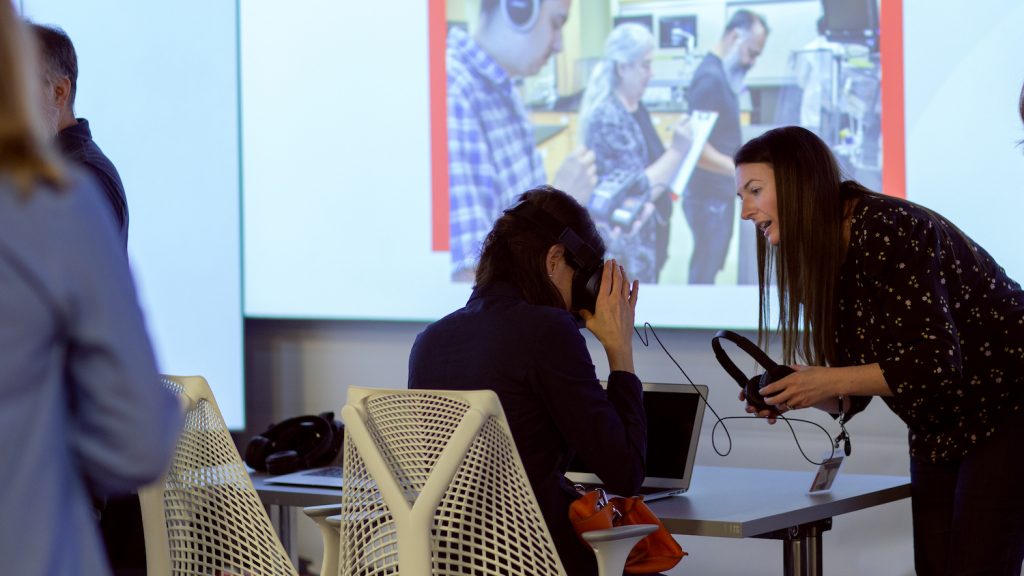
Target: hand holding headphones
x,y
751,386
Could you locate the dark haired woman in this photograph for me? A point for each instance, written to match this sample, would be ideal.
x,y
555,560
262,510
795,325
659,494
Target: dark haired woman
x,y
517,336
883,297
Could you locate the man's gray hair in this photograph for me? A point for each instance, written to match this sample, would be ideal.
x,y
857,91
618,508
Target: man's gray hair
x,y
58,55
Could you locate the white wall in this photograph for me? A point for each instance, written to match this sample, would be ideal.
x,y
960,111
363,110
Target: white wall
x,y
158,84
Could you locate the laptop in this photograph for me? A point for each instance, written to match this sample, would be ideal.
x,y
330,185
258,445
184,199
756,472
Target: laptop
x,y
324,477
674,416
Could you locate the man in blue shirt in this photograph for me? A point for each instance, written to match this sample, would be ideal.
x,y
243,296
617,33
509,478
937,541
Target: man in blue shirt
x,y
492,155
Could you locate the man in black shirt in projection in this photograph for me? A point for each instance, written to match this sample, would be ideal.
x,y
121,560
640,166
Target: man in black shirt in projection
x,y
60,85
709,201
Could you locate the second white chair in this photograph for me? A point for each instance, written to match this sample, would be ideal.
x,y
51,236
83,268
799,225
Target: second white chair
x,y
433,484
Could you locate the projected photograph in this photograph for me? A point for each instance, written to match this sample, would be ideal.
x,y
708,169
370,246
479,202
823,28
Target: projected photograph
x,y
655,97
367,206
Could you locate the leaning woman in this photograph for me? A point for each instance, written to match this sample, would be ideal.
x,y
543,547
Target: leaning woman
x,y
517,335
882,297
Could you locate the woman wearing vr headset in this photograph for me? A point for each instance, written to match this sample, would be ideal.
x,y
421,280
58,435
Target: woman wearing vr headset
x,y
82,414
517,335
883,297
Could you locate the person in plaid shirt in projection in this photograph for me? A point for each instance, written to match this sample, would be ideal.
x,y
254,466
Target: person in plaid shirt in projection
x,y
491,148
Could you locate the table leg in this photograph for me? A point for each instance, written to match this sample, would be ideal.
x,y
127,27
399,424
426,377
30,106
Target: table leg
x,y
284,528
812,547
801,547
794,554
281,517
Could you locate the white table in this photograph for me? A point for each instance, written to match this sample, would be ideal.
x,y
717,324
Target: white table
x,y
722,502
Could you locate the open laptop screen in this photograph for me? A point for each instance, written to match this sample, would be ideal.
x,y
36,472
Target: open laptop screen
x,y
674,416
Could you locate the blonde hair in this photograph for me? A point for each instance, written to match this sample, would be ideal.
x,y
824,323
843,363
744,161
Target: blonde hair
x,y
26,154
626,44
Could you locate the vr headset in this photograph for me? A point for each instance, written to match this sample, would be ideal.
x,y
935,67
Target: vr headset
x,y
587,263
751,386
296,444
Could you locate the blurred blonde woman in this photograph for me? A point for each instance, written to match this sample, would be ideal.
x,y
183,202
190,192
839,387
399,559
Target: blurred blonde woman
x,y
617,127
81,411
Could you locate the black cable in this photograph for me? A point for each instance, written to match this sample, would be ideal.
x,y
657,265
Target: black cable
x,y
645,340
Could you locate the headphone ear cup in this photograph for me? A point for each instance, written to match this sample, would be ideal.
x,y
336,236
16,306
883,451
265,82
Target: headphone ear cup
x,y
585,287
322,451
753,393
283,462
521,14
256,452
775,374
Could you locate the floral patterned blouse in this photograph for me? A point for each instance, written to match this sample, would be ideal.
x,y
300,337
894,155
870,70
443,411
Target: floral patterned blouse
x,y
946,327
618,144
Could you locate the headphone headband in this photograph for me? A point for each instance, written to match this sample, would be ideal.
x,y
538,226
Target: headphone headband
x,y
744,344
579,253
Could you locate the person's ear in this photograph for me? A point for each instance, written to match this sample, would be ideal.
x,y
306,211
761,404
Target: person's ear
x,y
555,254
61,91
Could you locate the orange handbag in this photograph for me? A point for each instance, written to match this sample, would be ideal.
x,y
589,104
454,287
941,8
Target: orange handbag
x,y
595,511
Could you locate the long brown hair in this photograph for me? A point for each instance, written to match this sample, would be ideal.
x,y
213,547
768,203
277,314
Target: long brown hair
x,y
811,198
515,250
26,153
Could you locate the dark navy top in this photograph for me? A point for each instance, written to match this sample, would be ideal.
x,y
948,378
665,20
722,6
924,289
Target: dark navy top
x,y
536,360
946,329
709,90
77,144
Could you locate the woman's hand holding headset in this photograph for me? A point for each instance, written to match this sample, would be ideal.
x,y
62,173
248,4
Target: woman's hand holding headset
x,y
612,321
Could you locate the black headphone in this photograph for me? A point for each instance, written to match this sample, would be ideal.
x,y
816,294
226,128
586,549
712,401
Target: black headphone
x,y
587,263
296,444
521,14
751,386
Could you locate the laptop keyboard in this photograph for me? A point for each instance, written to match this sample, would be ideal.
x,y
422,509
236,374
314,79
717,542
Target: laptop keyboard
x,y
329,472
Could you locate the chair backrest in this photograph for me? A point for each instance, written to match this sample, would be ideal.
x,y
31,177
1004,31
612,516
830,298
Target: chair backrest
x,y
204,516
433,479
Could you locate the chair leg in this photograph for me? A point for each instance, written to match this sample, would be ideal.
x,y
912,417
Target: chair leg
x,y
612,546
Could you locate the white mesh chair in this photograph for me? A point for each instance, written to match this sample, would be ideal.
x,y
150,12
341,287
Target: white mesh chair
x,y
204,516
433,484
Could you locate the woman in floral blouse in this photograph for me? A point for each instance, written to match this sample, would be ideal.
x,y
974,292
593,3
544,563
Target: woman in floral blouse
x,y
882,297
615,124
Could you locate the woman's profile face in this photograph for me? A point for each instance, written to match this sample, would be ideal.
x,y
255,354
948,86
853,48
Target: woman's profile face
x,y
756,190
634,77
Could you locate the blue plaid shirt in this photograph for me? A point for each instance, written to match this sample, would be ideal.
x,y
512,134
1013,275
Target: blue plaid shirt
x,y
491,152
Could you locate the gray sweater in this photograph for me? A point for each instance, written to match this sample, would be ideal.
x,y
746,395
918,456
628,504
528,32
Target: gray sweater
x,y
81,410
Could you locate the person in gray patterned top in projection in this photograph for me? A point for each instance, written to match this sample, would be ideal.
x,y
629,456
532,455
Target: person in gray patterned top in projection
x,y
883,297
